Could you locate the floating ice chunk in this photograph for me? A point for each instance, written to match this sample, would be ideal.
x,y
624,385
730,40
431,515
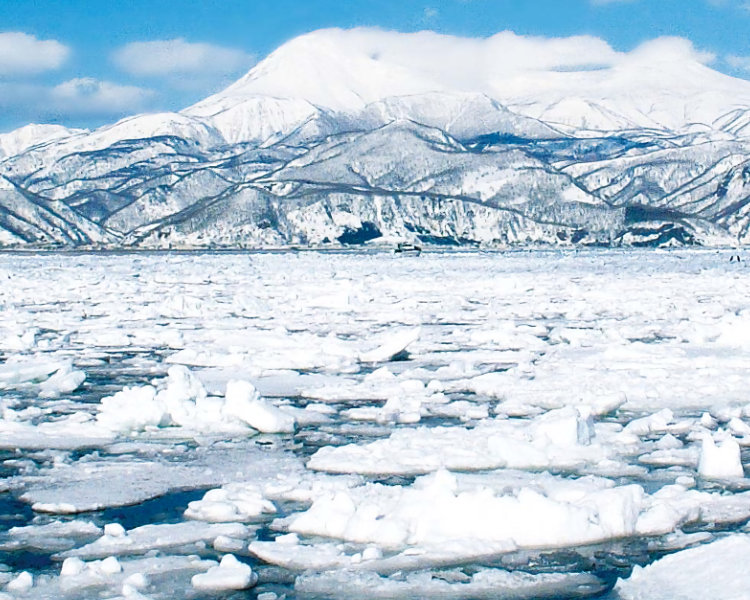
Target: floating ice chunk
x,y
206,358
64,381
739,427
146,538
448,585
231,574
181,394
402,409
665,514
432,512
564,427
393,348
19,343
130,592
245,404
72,566
673,506
182,305
224,543
653,423
288,539
306,417
669,442
397,409
51,537
720,461
184,402
604,404
22,583
114,530
717,571
542,443
169,574
459,409
27,371
232,502
296,557
57,508
516,408
110,566
685,456
127,481
136,580
510,336
132,409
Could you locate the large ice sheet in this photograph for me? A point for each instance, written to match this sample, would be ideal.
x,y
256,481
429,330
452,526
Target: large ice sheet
x,y
562,438
717,570
434,513
124,480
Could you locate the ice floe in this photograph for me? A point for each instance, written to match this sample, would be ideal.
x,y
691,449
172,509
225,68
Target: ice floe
x,y
168,536
360,426
717,570
230,574
184,402
448,584
720,461
234,502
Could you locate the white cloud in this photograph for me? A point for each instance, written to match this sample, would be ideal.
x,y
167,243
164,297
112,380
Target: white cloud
x,y
430,61
86,95
741,63
670,49
179,57
506,66
83,98
24,54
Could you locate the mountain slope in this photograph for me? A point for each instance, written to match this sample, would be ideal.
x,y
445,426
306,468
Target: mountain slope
x,y
21,139
35,220
347,137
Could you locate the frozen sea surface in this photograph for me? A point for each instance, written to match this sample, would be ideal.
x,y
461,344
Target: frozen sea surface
x,y
537,424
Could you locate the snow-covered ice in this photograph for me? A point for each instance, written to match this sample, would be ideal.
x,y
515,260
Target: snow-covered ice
x,y
716,570
355,425
230,574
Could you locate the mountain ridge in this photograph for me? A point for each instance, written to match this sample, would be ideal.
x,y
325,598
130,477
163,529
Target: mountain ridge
x,y
353,136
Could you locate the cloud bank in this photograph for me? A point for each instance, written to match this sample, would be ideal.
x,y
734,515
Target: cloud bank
x,y
77,98
741,63
87,95
344,69
179,57
24,54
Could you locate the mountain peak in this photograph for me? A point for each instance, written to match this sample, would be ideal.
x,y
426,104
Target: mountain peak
x,y
30,135
346,70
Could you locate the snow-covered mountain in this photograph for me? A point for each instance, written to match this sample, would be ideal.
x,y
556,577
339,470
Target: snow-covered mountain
x,y
346,136
21,139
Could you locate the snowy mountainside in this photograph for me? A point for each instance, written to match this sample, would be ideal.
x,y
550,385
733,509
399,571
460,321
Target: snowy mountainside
x,y
21,139
346,137
26,218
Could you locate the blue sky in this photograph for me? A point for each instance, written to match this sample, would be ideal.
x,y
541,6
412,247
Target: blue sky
x,y
89,62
